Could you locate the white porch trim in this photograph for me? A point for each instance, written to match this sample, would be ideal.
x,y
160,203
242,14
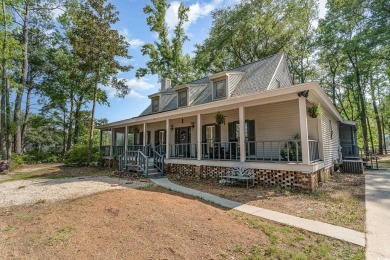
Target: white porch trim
x,y
282,166
199,136
167,141
241,117
304,130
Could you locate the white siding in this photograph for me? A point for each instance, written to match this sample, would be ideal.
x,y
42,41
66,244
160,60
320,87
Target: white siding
x,y
233,81
330,141
282,75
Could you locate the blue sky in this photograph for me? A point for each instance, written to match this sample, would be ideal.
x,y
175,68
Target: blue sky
x,y
133,26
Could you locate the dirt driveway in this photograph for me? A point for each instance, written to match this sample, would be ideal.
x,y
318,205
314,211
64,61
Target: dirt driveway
x,y
49,190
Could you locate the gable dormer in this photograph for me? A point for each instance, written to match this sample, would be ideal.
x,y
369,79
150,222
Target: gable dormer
x,y
223,83
183,97
155,100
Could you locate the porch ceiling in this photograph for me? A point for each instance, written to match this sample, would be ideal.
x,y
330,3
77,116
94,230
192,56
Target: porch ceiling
x,y
316,94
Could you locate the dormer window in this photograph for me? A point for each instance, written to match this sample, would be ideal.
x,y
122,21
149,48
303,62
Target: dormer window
x,y
155,104
220,89
182,98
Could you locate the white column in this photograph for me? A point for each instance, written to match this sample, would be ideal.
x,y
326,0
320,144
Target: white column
x,y
126,136
241,115
304,130
145,134
320,139
112,141
167,129
199,135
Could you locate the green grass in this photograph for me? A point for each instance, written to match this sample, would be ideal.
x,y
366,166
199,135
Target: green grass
x,y
291,243
62,234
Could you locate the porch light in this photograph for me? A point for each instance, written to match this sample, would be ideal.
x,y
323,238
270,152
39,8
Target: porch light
x,y
193,124
303,93
172,126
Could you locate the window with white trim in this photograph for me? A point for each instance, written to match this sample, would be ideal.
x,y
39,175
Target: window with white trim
x,y
220,89
182,96
155,104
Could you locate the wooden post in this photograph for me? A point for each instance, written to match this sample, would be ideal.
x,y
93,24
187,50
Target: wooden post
x,y
112,141
304,130
145,134
241,115
199,136
167,127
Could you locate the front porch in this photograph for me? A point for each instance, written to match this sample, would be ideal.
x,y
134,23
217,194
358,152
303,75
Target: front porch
x,y
278,133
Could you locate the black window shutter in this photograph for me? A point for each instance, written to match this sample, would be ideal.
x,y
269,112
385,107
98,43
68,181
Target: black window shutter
x,y
251,136
232,132
177,135
148,137
189,135
217,133
204,140
251,130
156,141
141,138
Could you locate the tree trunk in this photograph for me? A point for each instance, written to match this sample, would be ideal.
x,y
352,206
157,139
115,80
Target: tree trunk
x,y
372,141
70,127
92,128
23,81
377,118
9,132
26,113
361,100
64,131
77,120
383,134
4,91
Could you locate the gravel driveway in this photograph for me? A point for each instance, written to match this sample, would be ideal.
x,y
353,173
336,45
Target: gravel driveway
x,y
39,190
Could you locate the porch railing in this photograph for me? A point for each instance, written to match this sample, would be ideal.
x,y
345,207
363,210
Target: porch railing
x,y
118,150
221,151
135,158
161,149
279,150
105,150
350,151
314,151
145,149
183,151
158,161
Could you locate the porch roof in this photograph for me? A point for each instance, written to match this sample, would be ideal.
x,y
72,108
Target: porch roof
x,y
316,94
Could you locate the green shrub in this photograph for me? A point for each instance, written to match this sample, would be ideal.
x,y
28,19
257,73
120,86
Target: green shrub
x,y
79,154
41,157
16,161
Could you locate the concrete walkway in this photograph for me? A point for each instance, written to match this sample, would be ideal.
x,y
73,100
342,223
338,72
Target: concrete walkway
x,y
378,214
341,233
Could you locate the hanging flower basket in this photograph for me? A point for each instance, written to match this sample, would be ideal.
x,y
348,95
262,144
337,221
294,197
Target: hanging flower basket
x,y
220,118
315,110
135,130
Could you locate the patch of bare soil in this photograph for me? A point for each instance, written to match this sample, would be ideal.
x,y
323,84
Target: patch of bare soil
x,y
126,224
53,171
340,201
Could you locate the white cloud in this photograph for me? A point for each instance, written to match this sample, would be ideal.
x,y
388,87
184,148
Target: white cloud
x,y
139,84
196,11
134,84
57,12
135,94
134,42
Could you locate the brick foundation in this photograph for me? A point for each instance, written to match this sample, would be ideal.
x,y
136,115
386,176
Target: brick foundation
x,y
285,179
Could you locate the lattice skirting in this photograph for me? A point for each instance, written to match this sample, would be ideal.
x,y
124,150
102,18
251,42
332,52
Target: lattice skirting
x,y
285,179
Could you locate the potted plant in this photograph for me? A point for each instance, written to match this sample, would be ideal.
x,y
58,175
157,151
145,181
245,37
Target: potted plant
x,y
220,118
135,130
315,110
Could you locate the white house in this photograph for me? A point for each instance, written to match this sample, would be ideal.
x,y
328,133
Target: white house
x,y
266,127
